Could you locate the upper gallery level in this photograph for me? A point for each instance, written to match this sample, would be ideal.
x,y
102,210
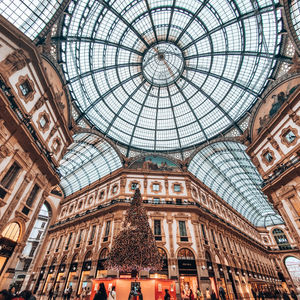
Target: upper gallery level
x,y
275,142
34,102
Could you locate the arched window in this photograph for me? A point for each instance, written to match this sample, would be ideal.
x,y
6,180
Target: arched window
x,y
103,254
185,254
293,266
281,239
12,231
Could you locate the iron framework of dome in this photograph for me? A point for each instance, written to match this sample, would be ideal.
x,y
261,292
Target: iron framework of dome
x,y
166,75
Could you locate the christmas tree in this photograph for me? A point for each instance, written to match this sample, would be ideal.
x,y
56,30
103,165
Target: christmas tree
x,y
134,248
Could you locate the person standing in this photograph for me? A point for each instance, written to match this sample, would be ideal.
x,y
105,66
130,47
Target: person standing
x,y
112,294
50,294
167,295
191,296
101,294
222,293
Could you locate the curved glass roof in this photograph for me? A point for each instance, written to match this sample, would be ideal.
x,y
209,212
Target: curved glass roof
x,y
295,16
227,170
88,159
167,74
29,16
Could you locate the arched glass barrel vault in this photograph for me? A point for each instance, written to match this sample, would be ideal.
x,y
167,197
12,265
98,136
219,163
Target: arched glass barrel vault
x,y
167,75
226,169
88,159
30,16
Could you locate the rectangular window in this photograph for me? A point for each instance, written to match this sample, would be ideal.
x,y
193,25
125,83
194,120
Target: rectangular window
x,y
182,231
59,242
107,229
203,231
177,188
156,200
290,136
43,121
10,176
25,88
32,195
157,227
32,250
178,201
39,235
268,156
102,195
92,234
79,238
69,240
156,187
222,242
50,245
106,233
214,239
26,264
133,185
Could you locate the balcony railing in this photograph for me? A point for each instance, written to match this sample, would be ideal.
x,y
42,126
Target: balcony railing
x,y
281,169
25,120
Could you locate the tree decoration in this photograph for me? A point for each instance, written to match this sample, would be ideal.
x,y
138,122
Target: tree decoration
x,y
134,248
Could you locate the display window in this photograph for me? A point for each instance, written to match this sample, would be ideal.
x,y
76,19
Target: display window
x,y
188,284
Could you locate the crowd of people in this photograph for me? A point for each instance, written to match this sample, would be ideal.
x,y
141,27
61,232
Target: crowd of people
x,y
273,294
134,294
11,294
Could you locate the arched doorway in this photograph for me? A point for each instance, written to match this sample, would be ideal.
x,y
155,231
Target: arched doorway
x,y
211,272
58,284
50,277
101,272
164,272
85,272
293,266
42,272
71,278
8,242
187,272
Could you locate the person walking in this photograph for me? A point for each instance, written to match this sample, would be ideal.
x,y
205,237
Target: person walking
x,y
112,294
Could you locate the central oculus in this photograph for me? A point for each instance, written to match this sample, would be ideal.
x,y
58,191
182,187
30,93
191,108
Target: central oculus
x,y
163,64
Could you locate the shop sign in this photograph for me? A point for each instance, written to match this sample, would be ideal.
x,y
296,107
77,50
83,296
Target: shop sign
x,y
6,247
187,264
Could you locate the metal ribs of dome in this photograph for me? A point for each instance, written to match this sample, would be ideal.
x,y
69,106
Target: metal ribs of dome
x,y
227,49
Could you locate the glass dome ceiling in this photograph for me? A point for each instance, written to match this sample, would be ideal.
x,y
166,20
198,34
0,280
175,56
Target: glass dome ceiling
x,y
227,170
167,74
